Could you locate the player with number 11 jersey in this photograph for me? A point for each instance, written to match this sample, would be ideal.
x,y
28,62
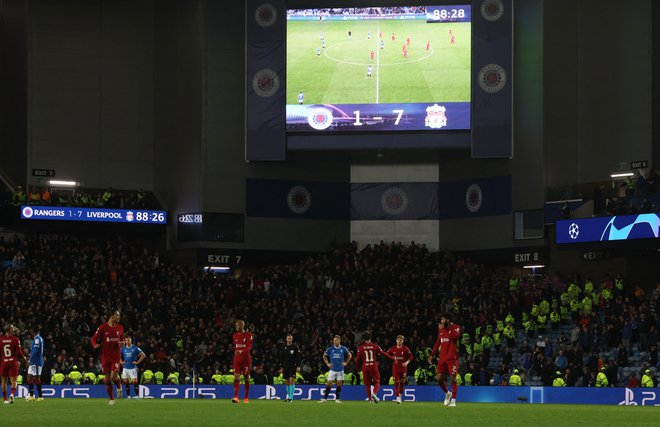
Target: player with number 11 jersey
x,y
367,353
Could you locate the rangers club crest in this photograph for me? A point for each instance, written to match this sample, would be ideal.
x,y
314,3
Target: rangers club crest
x,y
435,116
28,212
265,82
299,199
473,198
394,201
492,78
492,10
320,118
265,15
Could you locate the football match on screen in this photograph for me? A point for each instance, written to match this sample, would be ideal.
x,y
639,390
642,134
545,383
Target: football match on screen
x,y
378,68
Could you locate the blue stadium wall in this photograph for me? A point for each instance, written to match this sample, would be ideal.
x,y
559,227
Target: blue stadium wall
x,y
522,395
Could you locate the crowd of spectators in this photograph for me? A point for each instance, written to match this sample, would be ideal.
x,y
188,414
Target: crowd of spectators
x,y
636,194
80,197
182,317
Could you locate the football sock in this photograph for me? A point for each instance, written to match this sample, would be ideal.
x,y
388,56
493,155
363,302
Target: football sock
x,y
13,391
108,388
127,386
247,386
236,385
443,385
37,381
338,391
31,386
376,388
367,386
454,388
136,386
327,391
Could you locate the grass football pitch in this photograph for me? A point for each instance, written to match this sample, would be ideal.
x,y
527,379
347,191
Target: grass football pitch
x,y
184,412
339,74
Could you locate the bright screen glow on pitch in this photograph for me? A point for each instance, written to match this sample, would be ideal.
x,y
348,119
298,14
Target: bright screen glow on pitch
x,y
378,69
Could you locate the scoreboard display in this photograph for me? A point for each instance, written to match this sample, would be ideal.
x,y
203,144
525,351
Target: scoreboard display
x,y
404,68
61,213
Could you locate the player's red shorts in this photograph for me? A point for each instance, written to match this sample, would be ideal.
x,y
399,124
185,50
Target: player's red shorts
x,y
109,365
242,363
372,373
399,371
9,371
447,367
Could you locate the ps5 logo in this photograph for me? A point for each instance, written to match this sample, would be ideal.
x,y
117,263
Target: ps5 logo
x,y
630,398
271,393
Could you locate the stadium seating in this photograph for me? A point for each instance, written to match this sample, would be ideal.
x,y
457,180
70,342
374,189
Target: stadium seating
x,y
183,318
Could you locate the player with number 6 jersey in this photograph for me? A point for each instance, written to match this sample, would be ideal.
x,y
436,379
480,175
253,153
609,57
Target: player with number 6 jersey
x,y
11,351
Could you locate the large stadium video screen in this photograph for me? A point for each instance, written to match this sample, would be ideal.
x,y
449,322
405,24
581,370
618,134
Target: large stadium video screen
x,y
404,68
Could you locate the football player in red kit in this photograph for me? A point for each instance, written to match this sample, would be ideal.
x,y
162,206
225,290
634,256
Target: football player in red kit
x,y
366,354
242,359
402,357
448,334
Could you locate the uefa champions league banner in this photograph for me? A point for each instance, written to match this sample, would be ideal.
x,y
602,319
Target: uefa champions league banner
x,y
537,395
609,228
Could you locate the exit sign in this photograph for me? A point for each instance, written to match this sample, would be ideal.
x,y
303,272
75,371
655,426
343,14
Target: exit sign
x,y
639,164
48,173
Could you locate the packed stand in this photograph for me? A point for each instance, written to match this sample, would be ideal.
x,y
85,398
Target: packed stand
x,y
637,194
513,328
87,197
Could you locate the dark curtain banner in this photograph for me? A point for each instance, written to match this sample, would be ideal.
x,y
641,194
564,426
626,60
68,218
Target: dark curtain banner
x,y
297,199
265,55
492,62
394,201
475,197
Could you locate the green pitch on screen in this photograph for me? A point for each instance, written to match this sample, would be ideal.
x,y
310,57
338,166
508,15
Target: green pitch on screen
x,y
207,412
338,75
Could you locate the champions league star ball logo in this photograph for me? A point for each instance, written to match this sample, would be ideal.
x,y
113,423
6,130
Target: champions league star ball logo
x,y
265,83
320,118
28,212
492,10
265,15
573,231
492,78
435,117
394,201
299,199
473,198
